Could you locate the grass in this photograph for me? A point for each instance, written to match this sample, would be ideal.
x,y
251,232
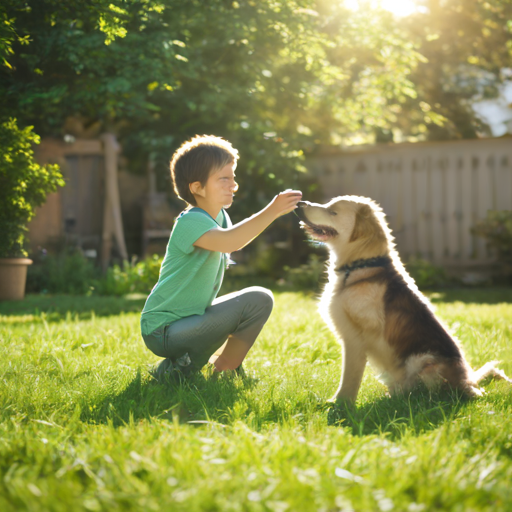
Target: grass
x,y
84,427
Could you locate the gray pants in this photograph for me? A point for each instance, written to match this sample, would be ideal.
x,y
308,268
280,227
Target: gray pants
x,y
242,314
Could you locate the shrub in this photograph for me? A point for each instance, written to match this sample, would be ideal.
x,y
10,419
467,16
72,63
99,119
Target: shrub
x,y
308,276
134,277
24,185
426,274
67,272
70,271
496,228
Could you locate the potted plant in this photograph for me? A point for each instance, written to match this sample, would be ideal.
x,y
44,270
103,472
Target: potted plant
x,y
24,185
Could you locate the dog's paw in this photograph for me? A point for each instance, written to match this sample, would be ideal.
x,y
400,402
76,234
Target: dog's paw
x,y
500,374
475,392
340,401
337,400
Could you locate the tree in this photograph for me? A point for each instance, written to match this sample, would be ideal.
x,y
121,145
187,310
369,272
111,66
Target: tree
x,y
274,76
467,44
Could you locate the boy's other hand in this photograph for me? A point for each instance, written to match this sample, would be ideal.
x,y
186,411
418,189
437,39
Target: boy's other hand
x,y
285,202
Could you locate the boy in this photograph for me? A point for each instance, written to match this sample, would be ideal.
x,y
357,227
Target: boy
x,y
182,319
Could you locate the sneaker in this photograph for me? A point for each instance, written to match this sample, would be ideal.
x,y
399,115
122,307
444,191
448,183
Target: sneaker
x,y
164,371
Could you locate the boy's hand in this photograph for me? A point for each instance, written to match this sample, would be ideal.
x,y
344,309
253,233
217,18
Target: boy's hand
x,y
285,202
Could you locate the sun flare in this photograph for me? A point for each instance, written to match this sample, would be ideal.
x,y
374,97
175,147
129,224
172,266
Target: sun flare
x,y
399,8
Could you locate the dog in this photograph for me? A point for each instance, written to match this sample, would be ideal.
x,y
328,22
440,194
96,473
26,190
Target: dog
x,y
375,309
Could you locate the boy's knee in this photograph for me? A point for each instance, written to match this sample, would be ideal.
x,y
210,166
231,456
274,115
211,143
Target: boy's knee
x,y
263,297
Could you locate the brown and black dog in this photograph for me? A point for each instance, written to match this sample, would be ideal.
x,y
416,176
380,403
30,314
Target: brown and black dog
x,y
374,308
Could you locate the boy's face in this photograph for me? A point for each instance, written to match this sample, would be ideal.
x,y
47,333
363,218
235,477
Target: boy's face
x,y
220,187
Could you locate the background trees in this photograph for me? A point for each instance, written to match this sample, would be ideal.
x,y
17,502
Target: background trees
x,y
467,45
275,77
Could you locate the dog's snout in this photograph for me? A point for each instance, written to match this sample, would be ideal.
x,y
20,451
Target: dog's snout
x,y
302,204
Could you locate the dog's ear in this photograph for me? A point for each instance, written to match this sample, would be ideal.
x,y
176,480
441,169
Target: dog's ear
x,y
365,224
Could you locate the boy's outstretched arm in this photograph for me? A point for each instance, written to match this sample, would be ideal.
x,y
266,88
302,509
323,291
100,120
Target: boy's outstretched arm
x,y
239,235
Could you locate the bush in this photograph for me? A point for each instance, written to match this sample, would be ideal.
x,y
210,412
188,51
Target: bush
x,y
309,276
496,228
71,272
67,272
134,277
24,185
426,274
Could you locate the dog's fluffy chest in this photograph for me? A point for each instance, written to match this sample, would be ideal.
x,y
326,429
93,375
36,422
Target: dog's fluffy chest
x,y
358,307
356,314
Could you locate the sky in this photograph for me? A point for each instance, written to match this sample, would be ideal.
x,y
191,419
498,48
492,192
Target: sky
x,y
497,113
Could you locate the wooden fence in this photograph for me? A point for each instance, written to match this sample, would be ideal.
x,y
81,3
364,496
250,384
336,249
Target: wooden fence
x,y
432,193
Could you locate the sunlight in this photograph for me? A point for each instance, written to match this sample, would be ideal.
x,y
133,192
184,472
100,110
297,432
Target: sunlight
x,y
399,8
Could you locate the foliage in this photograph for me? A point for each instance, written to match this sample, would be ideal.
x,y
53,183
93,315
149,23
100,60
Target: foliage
x,y
427,275
24,185
466,44
496,228
279,78
134,277
84,427
69,271
308,276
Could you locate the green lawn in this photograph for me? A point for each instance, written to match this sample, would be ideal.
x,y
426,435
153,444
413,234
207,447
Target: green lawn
x,y
84,427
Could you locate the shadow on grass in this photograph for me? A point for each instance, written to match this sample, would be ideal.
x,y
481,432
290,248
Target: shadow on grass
x,y
201,399
418,412
58,307
495,295
196,400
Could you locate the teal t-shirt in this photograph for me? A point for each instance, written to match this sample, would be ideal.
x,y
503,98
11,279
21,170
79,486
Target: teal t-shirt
x,y
190,277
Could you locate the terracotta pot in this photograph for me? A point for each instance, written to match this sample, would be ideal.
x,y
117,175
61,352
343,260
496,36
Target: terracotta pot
x,y
13,276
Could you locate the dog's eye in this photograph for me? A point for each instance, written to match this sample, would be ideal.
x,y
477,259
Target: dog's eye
x,y
332,212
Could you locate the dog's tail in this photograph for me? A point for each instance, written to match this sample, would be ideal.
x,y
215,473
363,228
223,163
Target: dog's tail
x,y
460,376
489,370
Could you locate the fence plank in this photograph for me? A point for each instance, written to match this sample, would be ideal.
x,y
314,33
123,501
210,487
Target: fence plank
x,y
349,175
452,206
339,183
504,182
409,220
436,193
483,196
422,206
371,189
467,206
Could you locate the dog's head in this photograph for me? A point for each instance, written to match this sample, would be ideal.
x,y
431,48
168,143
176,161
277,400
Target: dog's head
x,y
347,222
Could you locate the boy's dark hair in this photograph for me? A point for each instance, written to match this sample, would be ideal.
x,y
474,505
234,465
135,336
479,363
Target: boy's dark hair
x,y
196,159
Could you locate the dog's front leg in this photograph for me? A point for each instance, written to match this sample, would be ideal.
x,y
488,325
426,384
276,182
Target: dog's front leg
x,y
353,364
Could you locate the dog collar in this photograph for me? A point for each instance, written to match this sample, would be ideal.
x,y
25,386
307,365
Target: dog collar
x,y
379,261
